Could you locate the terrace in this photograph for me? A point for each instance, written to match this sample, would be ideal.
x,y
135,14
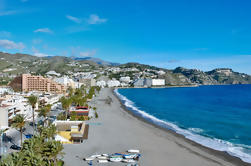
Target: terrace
x,y
72,131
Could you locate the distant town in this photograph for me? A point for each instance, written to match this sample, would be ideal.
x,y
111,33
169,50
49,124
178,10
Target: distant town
x,y
53,99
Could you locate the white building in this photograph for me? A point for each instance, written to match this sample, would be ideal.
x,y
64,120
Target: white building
x,y
3,118
161,72
113,83
17,105
68,82
5,90
101,83
158,82
53,73
125,79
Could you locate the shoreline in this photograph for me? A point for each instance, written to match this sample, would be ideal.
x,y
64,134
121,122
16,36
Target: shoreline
x,y
220,154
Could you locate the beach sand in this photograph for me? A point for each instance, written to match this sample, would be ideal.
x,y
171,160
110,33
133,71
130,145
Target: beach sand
x,y
117,130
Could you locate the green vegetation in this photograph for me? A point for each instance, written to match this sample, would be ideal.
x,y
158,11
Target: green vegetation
x,y
44,111
96,114
61,116
19,123
33,101
40,150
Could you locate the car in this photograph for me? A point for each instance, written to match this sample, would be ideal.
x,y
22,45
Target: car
x,y
31,124
15,147
29,136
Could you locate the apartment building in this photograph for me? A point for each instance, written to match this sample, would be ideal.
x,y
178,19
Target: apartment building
x,y
28,82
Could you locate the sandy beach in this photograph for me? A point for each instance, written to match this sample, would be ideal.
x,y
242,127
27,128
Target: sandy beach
x,y
117,130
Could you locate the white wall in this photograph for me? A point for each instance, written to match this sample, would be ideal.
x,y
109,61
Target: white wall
x,y
158,82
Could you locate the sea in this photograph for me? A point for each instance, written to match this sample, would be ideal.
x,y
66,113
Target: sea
x,y
216,116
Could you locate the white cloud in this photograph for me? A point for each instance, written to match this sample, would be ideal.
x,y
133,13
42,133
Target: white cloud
x,y
74,19
95,19
7,44
87,53
44,30
9,12
38,53
5,34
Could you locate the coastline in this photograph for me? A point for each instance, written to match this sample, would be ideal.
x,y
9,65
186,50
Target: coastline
x,y
117,130
221,154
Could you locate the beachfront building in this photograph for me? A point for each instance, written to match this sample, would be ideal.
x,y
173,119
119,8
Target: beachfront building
x,y
28,82
69,132
113,83
101,83
158,82
143,82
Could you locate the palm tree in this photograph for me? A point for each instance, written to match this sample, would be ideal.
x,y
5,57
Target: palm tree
x,y
19,123
43,112
33,101
66,103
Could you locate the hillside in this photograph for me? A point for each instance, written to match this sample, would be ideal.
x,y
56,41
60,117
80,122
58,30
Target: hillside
x,y
16,64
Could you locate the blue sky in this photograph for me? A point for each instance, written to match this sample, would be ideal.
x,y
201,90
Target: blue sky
x,y
191,33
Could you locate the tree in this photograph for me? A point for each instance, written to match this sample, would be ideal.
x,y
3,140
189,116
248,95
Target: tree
x,y
40,150
43,112
70,91
33,101
19,123
66,103
96,114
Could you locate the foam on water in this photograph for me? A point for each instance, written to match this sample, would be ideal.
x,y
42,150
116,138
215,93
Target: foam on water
x,y
191,133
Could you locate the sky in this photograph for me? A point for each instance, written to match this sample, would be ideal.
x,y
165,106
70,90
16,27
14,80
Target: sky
x,y
198,34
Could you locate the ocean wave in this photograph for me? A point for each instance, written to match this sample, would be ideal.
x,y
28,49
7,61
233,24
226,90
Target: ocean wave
x,y
191,133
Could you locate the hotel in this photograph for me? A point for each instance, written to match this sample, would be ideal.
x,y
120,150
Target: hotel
x,y
28,82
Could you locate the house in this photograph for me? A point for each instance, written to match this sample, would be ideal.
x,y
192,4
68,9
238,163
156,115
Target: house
x,y
158,82
72,131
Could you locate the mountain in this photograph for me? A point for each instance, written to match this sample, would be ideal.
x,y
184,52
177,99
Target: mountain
x,y
217,76
97,60
16,64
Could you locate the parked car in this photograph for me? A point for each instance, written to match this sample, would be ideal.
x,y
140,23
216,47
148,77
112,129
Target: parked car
x,y
15,147
31,124
29,136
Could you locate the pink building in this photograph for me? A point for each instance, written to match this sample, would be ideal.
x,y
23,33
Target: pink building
x,y
28,82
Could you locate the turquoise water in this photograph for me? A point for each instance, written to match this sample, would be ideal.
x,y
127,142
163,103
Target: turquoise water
x,y
218,117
